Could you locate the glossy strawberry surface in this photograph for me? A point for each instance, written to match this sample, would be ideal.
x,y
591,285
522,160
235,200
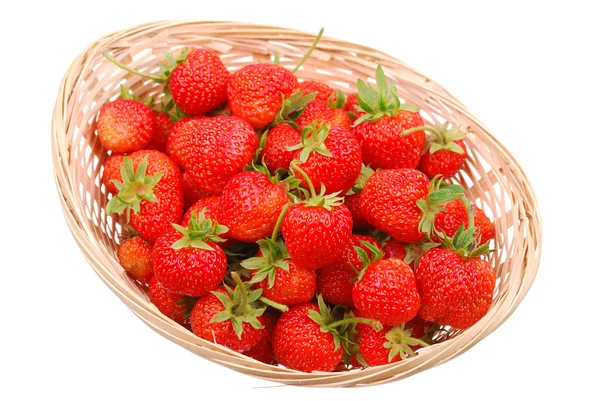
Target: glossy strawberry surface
x,y
125,125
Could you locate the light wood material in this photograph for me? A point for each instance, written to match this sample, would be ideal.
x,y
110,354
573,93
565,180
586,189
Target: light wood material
x,y
492,177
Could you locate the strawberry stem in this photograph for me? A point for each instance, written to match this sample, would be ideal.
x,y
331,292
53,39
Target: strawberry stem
x,y
470,212
309,52
311,187
435,131
374,323
241,307
276,305
280,221
157,78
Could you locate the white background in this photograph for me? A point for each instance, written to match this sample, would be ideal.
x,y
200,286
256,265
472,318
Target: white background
x,y
527,70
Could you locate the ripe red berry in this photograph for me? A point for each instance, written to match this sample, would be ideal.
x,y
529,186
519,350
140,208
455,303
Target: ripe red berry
x,y
134,255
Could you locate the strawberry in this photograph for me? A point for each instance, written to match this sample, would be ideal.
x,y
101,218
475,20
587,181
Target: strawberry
x,y
191,191
162,128
196,79
403,203
330,156
317,229
381,129
456,286
335,281
231,318
391,344
256,92
280,279
173,306
386,289
308,337
359,223
250,205
275,153
125,125
324,91
213,149
445,152
187,260
454,214
151,186
394,249
210,206
111,170
351,105
319,113
485,229
263,350
134,255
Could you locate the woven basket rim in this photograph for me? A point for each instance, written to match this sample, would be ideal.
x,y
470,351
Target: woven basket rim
x,y
98,257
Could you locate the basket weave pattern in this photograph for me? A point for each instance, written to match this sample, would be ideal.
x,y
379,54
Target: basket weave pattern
x,y
494,180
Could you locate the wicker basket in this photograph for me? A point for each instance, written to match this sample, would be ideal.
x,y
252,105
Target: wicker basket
x,y
492,176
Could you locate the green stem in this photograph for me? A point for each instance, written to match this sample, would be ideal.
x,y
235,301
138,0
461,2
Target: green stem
x,y
240,309
469,208
350,320
280,221
309,52
276,305
420,342
157,78
435,131
313,193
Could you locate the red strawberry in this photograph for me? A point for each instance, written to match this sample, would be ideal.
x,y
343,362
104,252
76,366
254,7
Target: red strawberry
x,y
191,191
230,318
125,125
134,256
199,83
187,261
162,128
454,214
391,344
403,203
318,112
210,206
317,230
455,290
308,337
445,152
250,206
359,223
112,171
279,277
151,186
263,351
394,249
324,91
380,129
351,102
173,306
255,92
485,228
336,281
386,291
212,150
330,156
275,153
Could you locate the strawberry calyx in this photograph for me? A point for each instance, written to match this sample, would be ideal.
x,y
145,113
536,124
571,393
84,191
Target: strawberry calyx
x,y
440,193
241,306
443,138
380,101
416,250
340,100
465,243
274,256
399,342
313,140
165,67
312,199
199,232
292,107
188,304
330,322
135,188
365,173
366,260
126,94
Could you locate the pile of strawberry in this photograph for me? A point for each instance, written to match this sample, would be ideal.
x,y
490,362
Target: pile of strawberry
x,y
291,222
